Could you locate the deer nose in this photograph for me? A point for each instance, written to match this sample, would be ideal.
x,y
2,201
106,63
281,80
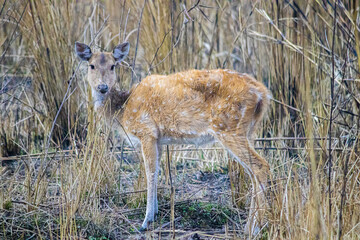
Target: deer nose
x,y
103,88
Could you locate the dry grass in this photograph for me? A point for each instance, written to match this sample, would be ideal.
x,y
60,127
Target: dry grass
x,y
88,184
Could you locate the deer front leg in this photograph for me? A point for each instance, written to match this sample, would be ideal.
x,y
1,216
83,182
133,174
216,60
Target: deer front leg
x,y
151,157
159,148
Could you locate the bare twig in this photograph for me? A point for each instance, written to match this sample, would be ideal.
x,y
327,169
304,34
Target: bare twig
x,y
127,17
331,112
137,42
172,194
343,191
2,8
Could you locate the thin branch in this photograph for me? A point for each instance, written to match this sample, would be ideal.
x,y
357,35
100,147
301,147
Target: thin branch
x,y
137,42
2,8
331,112
172,194
126,20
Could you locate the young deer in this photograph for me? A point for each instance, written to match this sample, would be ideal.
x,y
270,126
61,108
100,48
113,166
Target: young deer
x,y
192,107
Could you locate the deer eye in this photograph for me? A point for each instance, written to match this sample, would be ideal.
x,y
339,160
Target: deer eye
x,y
112,67
92,66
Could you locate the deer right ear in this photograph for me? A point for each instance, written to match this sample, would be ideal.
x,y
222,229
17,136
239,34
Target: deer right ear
x,y
121,51
83,51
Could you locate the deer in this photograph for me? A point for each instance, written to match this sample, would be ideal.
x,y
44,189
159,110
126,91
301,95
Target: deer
x,y
190,107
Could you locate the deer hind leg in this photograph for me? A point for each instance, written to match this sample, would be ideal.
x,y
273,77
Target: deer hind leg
x,y
258,170
151,155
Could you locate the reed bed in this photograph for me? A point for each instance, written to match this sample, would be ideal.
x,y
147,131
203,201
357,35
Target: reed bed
x,y
65,174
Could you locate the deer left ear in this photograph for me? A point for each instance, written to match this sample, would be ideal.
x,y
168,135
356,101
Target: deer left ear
x,y
121,51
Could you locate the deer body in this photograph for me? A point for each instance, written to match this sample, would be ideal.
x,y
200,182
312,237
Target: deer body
x,y
192,107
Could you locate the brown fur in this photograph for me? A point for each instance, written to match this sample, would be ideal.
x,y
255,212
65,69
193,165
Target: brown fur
x,y
181,104
102,59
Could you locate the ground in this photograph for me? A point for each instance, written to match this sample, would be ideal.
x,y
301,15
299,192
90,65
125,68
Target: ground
x,y
203,201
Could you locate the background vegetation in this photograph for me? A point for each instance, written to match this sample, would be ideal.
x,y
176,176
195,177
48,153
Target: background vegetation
x,y
65,175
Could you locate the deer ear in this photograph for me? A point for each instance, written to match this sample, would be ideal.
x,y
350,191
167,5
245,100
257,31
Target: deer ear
x,y
121,51
83,51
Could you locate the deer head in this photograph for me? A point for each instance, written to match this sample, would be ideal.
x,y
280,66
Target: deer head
x,y
101,70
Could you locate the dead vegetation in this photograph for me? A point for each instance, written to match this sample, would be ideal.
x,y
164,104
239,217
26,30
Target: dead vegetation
x,y
64,175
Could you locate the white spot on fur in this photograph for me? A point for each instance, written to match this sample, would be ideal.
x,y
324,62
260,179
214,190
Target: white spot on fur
x,y
259,96
243,112
134,110
255,91
230,71
144,117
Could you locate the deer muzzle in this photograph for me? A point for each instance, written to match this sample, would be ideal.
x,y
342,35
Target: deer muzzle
x,y
102,88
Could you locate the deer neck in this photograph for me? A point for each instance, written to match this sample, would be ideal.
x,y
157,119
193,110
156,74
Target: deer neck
x,y
110,103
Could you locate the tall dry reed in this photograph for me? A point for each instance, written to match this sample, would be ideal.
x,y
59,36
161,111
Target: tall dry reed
x,y
306,52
